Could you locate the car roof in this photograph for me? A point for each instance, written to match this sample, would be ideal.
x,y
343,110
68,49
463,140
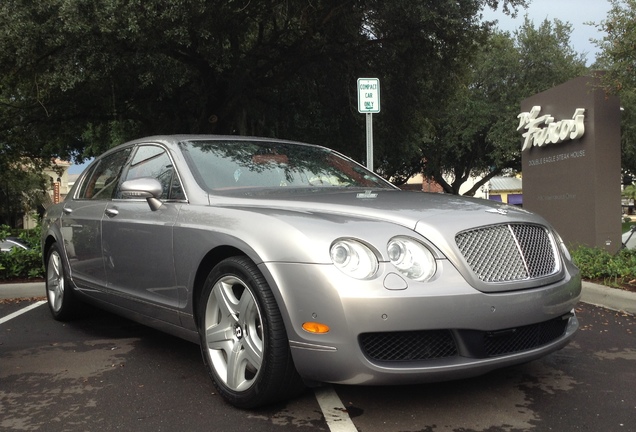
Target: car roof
x,y
173,140
208,137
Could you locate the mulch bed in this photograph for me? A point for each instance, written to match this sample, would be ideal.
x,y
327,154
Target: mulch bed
x,y
626,285
21,300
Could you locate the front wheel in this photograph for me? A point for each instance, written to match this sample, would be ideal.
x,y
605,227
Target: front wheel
x,y
62,302
243,338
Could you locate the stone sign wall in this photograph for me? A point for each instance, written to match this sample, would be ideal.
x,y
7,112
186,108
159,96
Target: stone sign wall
x,y
571,162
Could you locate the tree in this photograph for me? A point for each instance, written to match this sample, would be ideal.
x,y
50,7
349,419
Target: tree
x,y
617,59
475,131
21,187
79,76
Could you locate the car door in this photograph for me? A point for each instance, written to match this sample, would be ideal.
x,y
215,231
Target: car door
x,y
137,241
81,222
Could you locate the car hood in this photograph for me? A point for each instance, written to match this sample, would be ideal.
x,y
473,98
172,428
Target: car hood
x,y
323,215
418,211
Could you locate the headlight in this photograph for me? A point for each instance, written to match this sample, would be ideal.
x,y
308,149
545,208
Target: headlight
x,y
411,258
354,258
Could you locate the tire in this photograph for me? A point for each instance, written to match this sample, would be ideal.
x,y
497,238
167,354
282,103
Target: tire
x,y
243,338
59,295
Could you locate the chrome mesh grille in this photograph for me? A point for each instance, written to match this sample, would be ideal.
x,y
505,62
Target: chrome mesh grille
x,y
504,253
523,338
408,346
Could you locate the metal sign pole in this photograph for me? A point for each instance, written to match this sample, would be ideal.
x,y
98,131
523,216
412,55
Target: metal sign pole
x,y
370,141
369,103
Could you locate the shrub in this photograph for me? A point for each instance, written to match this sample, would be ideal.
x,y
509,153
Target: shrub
x,y
20,263
597,263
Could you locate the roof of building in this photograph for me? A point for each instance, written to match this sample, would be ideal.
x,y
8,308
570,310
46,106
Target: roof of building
x,y
60,163
505,184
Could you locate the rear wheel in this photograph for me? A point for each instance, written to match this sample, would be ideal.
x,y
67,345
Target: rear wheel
x,y
62,303
243,338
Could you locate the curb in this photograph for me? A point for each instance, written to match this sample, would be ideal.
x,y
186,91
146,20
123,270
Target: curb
x,y
609,298
22,290
594,294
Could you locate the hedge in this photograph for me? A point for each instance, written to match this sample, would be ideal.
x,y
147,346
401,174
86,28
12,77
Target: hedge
x,y
20,263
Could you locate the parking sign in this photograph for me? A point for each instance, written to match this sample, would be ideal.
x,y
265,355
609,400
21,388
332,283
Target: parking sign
x,y
368,95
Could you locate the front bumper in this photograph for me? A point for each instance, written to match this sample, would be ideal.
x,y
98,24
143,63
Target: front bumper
x,y
414,322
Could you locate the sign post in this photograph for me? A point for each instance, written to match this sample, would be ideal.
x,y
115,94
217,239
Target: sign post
x,y
369,103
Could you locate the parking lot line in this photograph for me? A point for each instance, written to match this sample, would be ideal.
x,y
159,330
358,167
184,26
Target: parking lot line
x,y
335,413
21,311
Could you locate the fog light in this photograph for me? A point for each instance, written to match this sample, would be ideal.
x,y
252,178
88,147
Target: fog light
x,y
315,327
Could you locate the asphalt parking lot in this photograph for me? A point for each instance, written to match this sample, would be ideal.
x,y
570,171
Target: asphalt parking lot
x,y
102,372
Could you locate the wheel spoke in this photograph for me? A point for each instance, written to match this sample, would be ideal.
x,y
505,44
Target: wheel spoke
x,y
237,369
250,321
53,274
220,337
55,282
246,306
253,349
55,265
225,299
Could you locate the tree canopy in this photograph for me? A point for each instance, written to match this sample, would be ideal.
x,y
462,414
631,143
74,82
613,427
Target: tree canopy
x,y
79,76
475,131
618,60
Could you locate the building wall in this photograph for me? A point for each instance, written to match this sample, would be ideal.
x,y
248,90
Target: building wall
x,y
58,173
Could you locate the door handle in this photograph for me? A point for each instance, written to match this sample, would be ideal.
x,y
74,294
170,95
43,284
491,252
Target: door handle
x,y
67,210
111,212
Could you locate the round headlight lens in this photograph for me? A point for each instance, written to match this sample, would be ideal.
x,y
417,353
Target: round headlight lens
x,y
354,258
411,258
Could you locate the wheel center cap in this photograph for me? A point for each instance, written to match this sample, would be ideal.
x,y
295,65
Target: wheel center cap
x,y
238,332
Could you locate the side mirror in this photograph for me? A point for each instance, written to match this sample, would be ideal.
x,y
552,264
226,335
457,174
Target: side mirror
x,y
143,187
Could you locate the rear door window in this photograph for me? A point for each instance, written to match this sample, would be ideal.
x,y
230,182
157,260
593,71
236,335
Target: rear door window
x,y
102,180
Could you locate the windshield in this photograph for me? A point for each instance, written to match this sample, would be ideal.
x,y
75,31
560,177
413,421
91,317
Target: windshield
x,y
220,165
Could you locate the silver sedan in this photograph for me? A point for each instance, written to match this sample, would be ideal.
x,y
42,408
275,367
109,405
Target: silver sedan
x,y
292,265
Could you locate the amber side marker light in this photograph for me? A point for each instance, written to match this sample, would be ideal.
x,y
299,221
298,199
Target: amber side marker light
x,y
314,327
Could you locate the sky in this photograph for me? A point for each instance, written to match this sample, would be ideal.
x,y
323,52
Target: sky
x,y
575,12
77,169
